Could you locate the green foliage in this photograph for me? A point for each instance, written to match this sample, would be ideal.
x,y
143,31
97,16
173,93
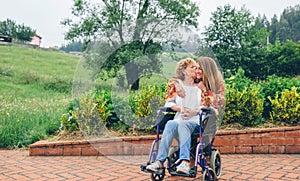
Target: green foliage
x,y
103,102
145,104
137,57
147,95
74,46
138,110
287,26
235,39
59,85
285,59
244,107
244,103
132,31
239,81
19,32
240,41
97,110
92,112
68,123
273,85
286,108
6,71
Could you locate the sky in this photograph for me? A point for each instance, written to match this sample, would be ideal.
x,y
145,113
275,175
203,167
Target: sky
x,y
45,16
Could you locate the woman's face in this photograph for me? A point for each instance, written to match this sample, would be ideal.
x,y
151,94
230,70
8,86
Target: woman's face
x,y
191,70
199,72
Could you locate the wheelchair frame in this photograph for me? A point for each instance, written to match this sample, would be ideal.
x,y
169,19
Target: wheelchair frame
x,y
210,172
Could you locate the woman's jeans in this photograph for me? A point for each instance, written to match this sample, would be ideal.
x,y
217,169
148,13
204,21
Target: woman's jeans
x,y
181,130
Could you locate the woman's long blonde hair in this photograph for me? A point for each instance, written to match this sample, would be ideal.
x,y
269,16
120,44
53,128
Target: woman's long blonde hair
x,y
211,75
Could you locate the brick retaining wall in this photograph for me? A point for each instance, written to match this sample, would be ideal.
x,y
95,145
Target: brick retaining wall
x,y
271,140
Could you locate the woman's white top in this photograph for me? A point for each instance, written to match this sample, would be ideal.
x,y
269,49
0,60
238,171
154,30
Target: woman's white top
x,y
191,100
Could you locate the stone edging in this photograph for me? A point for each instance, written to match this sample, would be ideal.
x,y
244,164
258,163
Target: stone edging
x,y
270,140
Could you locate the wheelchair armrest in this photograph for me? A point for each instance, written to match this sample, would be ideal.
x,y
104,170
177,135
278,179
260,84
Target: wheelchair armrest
x,y
166,109
206,109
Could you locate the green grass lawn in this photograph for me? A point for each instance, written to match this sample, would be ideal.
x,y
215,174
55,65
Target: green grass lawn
x,y
35,88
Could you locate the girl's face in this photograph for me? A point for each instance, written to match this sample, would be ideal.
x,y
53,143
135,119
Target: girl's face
x,y
199,72
191,70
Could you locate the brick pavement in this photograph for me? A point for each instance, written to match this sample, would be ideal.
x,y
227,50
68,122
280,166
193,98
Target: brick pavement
x,y
17,165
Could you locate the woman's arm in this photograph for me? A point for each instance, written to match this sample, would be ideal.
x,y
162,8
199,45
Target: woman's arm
x,y
174,88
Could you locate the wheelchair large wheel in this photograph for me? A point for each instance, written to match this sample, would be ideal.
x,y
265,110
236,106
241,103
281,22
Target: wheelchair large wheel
x,y
157,177
209,175
215,162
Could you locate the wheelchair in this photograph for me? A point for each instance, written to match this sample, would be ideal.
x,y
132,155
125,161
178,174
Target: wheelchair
x,y
203,154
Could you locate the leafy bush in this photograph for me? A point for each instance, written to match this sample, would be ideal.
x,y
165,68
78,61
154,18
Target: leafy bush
x,y
98,109
68,123
244,107
145,104
92,113
58,85
239,80
138,110
285,59
286,109
244,103
273,85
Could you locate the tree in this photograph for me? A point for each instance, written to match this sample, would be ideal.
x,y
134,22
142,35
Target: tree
x,y
290,24
273,28
19,32
287,27
24,33
73,46
132,28
8,28
237,40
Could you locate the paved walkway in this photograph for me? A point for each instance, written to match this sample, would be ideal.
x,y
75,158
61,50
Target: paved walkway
x,y
17,165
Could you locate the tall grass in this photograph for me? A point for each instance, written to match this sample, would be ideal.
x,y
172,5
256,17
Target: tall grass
x,y
35,88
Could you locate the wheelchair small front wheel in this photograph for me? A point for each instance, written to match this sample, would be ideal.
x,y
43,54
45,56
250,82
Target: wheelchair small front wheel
x,y
209,175
157,177
215,163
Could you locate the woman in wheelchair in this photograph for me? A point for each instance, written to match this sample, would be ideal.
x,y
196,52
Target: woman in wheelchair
x,y
210,80
185,120
210,83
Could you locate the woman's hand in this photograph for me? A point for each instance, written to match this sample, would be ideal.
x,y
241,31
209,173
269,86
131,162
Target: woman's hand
x,y
179,90
187,113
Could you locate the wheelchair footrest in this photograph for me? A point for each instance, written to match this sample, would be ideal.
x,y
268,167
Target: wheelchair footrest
x,y
159,171
183,174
